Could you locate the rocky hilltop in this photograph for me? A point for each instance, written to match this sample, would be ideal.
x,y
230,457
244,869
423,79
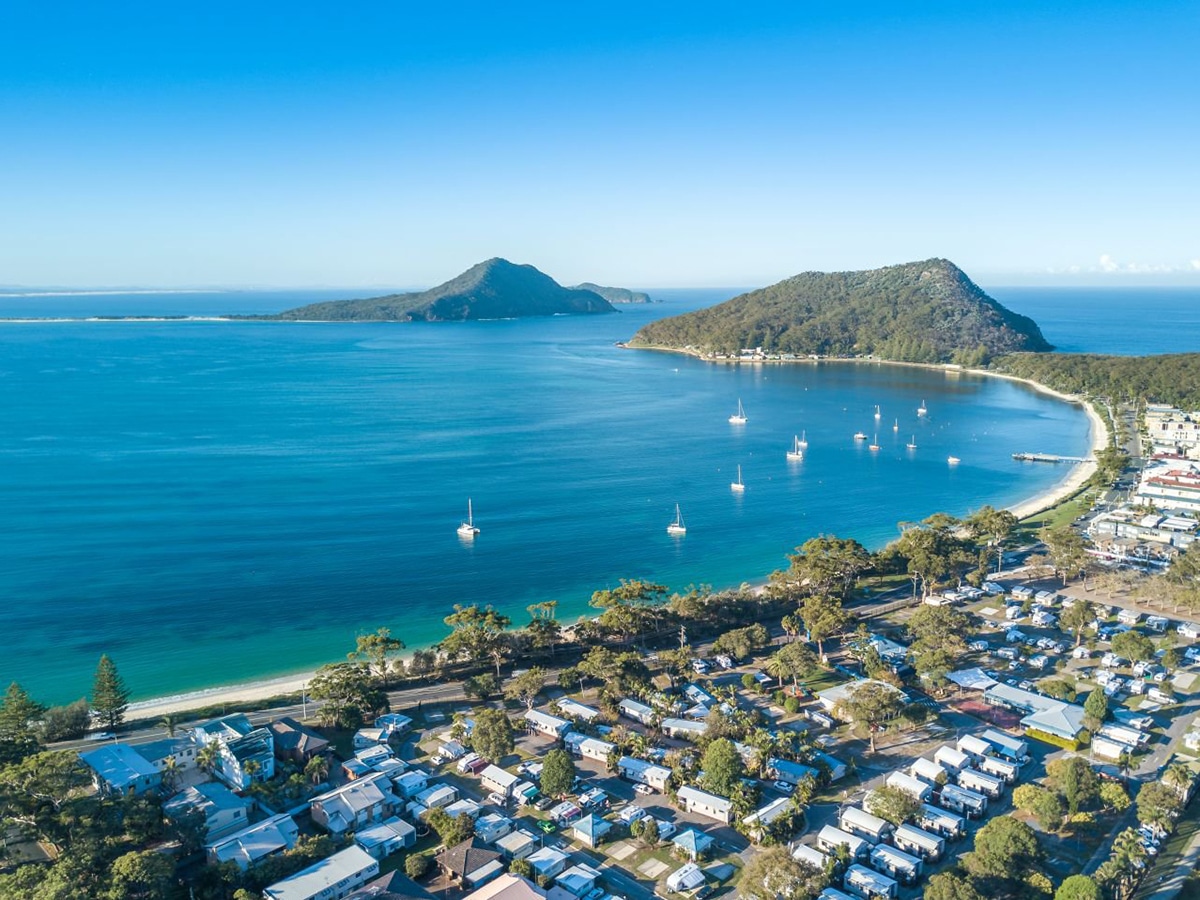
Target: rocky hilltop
x,y
495,289
926,312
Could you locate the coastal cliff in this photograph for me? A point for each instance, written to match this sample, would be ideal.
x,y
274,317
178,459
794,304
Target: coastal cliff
x,y
494,289
928,312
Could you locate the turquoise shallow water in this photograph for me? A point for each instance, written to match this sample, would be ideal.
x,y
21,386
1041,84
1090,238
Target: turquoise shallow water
x,y
216,502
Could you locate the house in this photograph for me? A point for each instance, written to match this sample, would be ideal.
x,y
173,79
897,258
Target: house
x,y
1111,748
694,844
374,755
683,729
1043,714
686,878
330,879
369,737
253,844
587,747
224,811
790,772
897,864
639,771
387,837
914,787
702,803
981,783
928,771
837,768
951,759
393,886
759,822
810,856
862,882
547,862
1006,745
495,779
394,724
578,711
246,754
177,753
830,838
516,845
833,894
1129,617
639,712
491,827
920,843
960,800
437,795
353,805
508,887
119,769
938,821
295,742
471,863
1000,768
411,783
551,726
864,824
565,813
591,830
974,747
579,880
831,698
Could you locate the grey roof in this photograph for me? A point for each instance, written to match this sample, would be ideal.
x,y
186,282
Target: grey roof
x,y
322,875
210,797
393,886
119,765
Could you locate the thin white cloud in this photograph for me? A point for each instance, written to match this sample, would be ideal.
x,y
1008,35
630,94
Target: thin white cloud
x,y
1108,264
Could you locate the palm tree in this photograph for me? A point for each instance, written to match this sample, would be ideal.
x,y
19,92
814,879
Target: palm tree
x,y
1128,851
170,774
317,768
207,757
169,723
1179,777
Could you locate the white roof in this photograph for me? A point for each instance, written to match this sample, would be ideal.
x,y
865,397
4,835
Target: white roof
x,y
928,768
810,855
323,875
863,819
508,887
918,836
864,876
972,679
497,775
543,720
833,835
764,815
261,839
685,878
689,795
570,707
968,743
952,755
896,857
909,784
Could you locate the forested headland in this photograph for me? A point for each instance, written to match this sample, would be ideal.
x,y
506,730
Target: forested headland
x,y
1173,378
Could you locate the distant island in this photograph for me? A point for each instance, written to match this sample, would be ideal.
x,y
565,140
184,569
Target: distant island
x,y
494,289
614,294
925,312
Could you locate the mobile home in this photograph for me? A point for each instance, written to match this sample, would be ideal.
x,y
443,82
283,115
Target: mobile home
x,y
1000,768
896,864
702,803
639,712
922,843
830,838
928,771
938,821
950,759
810,855
980,782
1110,749
1006,745
910,785
960,800
641,772
862,882
1124,735
495,779
973,746
864,824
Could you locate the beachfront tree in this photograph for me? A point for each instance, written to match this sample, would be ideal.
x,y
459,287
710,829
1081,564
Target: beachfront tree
x,y
348,694
1178,778
1065,549
375,648
526,686
869,705
823,617
793,661
629,607
492,736
44,796
939,627
544,629
827,565
110,696
481,686
995,527
317,768
792,625
477,635
207,757
741,642
65,723
558,773
935,549
1076,617
18,714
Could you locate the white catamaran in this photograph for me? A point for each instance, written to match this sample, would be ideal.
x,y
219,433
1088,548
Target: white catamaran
x,y
467,529
738,418
677,527
737,486
797,452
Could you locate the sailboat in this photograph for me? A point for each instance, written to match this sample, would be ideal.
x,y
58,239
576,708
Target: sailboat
x,y
467,529
896,425
677,527
953,460
737,486
876,413
912,445
797,452
921,410
874,444
803,445
738,418
859,436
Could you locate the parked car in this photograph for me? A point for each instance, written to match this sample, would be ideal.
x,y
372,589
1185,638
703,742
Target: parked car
x,y
547,826
643,789
544,803
980,645
783,787
497,799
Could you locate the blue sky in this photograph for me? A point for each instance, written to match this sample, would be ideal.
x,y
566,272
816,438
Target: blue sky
x,y
630,143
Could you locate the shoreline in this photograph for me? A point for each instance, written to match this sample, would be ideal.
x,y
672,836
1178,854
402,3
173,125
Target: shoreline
x,y
1072,482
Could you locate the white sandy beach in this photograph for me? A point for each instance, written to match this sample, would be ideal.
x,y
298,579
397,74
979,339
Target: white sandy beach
x,y
261,690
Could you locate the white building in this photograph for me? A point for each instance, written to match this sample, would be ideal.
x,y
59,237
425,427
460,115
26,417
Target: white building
x,y
702,803
384,838
356,804
639,712
253,844
224,811
246,753
495,779
330,879
639,771
544,723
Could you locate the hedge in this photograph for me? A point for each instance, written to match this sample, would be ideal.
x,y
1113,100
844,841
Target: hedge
x,y
1054,739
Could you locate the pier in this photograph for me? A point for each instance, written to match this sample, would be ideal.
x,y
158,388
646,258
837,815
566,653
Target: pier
x,y
1049,458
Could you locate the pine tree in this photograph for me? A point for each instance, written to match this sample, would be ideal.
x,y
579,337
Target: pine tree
x,y
18,712
110,696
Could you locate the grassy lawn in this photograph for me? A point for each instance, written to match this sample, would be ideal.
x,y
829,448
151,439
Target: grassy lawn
x,y
1063,514
823,680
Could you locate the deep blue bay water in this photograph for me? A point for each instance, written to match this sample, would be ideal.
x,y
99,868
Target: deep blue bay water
x,y
215,502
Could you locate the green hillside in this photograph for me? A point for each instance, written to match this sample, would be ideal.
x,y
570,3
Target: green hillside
x,y
495,289
614,294
917,312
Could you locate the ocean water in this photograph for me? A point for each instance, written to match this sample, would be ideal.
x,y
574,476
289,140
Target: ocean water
x,y
213,502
